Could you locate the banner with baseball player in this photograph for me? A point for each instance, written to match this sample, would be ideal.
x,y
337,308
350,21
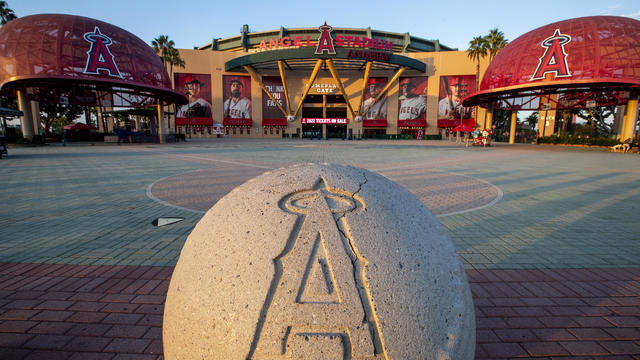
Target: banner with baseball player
x,y
236,92
197,87
376,113
453,89
412,102
271,115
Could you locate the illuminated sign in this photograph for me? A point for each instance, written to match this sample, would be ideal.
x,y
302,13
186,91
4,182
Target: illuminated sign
x,y
320,87
330,121
365,48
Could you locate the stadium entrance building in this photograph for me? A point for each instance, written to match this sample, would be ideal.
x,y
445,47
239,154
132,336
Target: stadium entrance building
x,y
580,63
324,82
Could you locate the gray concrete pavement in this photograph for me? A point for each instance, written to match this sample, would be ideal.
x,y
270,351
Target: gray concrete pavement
x,y
520,206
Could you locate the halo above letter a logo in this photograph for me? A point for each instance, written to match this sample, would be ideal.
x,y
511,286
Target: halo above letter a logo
x,y
554,59
99,57
325,42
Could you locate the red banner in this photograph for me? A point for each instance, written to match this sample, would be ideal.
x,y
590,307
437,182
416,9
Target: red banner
x,y
412,123
377,111
236,93
412,100
237,122
329,121
198,89
274,122
270,111
452,90
194,121
367,123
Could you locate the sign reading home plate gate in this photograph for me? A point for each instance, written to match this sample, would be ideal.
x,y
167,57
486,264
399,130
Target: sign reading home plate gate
x,y
319,262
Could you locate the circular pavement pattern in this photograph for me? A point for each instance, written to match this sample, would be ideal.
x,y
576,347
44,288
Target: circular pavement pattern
x,y
442,192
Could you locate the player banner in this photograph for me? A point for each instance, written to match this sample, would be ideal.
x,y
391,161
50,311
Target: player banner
x,y
271,115
450,110
236,92
376,113
197,87
412,102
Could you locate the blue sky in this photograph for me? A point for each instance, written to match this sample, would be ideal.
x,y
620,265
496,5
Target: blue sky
x,y
195,23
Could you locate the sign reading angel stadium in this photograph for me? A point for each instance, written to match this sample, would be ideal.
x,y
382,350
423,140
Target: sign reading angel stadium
x,y
358,47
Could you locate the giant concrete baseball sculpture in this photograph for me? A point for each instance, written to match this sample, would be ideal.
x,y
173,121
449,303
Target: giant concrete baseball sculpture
x,y
319,262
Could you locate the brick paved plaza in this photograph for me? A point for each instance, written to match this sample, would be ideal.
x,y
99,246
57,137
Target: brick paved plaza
x,y
550,238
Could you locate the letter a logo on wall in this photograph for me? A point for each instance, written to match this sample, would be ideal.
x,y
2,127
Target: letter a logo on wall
x,y
99,57
554,59
325,42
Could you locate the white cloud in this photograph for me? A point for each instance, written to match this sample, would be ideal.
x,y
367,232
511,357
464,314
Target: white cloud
x,y
609,10
635,15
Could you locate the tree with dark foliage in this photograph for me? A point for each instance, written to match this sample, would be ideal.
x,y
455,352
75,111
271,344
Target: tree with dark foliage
x,y
52,111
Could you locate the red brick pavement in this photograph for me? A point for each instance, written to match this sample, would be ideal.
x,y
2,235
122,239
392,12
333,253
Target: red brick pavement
x,y
115,312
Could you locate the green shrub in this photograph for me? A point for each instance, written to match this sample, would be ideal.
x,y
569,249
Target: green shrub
x,y
578,140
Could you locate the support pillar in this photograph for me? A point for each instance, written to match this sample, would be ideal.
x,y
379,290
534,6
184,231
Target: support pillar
x,y
100,121
161,127
618,119
630,118
546,123
37,119
542,120
488,118
110,124
26,121
512,129
325,131
87,116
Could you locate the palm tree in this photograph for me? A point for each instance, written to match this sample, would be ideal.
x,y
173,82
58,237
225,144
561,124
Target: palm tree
x,y
161,46
169,55
496,42
6,14
478,48
173,58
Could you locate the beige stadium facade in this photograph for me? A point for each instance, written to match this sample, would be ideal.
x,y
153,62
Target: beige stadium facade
x,y
325,72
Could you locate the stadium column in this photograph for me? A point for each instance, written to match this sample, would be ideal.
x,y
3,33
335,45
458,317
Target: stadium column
x,y
161,127
488,117
365,79
324,116
35,115
26,121
100,122
542,121
512,130
630,118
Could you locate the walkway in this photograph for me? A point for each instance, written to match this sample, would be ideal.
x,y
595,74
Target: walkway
x,y
548,236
